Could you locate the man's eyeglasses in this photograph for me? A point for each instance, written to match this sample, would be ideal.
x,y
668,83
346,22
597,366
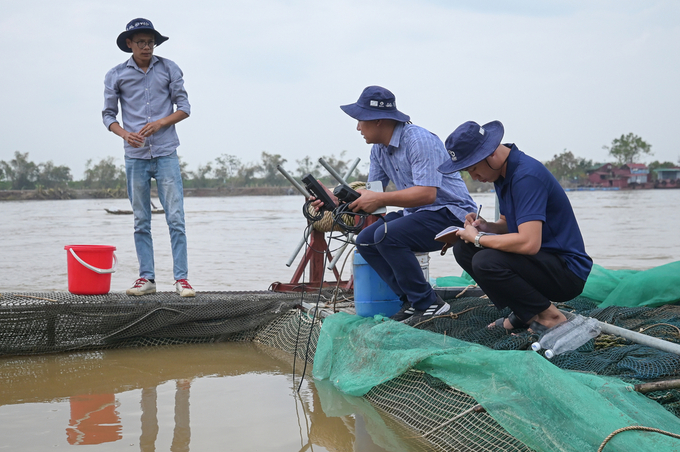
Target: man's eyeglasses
x,y
142,44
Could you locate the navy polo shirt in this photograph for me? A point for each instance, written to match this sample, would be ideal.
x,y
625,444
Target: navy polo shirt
x,y
530,192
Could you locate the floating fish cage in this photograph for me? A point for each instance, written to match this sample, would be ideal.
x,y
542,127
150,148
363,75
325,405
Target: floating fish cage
x,y
422,378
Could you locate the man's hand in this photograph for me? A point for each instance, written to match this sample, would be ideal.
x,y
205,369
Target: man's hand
x,y
470,232
479,223
317,203
151,128
135,140
368,201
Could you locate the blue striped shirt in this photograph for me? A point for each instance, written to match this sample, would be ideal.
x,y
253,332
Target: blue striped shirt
x,y
146,97
411,159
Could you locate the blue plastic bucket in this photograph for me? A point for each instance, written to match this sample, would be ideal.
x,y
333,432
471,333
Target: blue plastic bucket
x,y
371,294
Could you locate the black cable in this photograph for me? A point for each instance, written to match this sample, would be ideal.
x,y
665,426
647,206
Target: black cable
x,y
381,238
302,297
329,250
343,209
309,215
316,309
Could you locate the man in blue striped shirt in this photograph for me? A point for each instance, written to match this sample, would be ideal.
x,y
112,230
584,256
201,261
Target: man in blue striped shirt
x,y
148,89
409,156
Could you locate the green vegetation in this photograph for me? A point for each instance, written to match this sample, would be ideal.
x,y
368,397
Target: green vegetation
x,y
226,171
568,169
106,178
23,174
653,175
627,148
104,174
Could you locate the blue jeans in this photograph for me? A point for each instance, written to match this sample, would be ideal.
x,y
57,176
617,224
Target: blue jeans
x,y
391,254
166,171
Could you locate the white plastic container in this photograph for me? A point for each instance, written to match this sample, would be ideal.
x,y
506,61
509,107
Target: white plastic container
x,y
548,338
566,336
424,261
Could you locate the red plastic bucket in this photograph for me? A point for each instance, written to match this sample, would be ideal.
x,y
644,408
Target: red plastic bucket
x,y
90,268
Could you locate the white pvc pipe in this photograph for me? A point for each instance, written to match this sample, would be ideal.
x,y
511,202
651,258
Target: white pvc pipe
x,y
334,173
340,251
351,168
305,237
303,191
640,338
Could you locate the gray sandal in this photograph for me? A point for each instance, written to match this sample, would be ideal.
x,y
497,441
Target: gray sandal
x,y
514,321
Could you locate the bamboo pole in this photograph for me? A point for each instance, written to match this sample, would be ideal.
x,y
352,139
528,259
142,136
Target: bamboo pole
x,y
644,388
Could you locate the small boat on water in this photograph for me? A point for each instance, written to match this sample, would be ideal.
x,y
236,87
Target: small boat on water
x,y
129,212
154,209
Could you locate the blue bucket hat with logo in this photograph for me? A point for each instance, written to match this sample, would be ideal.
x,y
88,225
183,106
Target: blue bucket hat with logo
x,y
138,25
375,102
471,143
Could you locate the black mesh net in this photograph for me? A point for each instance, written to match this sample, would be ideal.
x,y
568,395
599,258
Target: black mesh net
x,y
33,323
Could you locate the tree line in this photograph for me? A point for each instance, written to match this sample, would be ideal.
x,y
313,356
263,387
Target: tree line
x,y
20,173
227,170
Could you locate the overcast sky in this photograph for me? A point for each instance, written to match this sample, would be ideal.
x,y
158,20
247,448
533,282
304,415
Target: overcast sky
x,y
270,75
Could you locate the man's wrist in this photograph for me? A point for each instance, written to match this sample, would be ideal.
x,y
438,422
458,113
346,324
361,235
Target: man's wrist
x,y
477,237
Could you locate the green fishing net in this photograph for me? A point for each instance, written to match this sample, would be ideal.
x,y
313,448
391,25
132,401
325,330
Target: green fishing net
x,y
538,403
654,287
455,281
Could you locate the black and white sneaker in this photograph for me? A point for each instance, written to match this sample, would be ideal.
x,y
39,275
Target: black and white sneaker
x,y
404,313
434,310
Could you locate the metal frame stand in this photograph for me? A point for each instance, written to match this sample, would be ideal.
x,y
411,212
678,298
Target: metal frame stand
x,y
316,256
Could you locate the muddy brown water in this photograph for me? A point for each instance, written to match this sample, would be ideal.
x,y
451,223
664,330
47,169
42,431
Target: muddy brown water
x,y
207,397
230,396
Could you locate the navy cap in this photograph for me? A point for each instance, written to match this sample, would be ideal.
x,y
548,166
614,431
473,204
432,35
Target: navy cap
x,y
375,102
138,25
471,143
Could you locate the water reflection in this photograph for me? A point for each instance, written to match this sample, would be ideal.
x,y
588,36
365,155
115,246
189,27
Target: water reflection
x,y
234,396
94,420
149,420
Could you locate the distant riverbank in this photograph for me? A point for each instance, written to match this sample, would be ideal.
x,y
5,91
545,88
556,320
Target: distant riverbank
x,y
120,193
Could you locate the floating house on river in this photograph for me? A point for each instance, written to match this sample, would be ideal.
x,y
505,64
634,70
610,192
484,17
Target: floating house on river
x,y
627,176
667,178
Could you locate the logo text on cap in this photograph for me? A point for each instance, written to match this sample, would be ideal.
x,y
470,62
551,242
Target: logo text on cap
x,y
139,24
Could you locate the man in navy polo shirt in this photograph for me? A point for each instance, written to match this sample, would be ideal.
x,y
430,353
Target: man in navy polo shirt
x,y
408,156
535,252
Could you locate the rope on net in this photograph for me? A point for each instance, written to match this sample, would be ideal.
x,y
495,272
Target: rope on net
x,y
635,427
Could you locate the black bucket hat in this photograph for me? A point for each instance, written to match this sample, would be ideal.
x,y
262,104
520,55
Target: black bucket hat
x,y
375,102
138,25
471,143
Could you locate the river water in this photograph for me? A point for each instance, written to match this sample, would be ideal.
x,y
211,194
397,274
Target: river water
x,y
208,397
227,396
243,243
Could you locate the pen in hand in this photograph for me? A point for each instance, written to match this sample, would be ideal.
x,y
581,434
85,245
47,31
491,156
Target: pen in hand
x,y
479,211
